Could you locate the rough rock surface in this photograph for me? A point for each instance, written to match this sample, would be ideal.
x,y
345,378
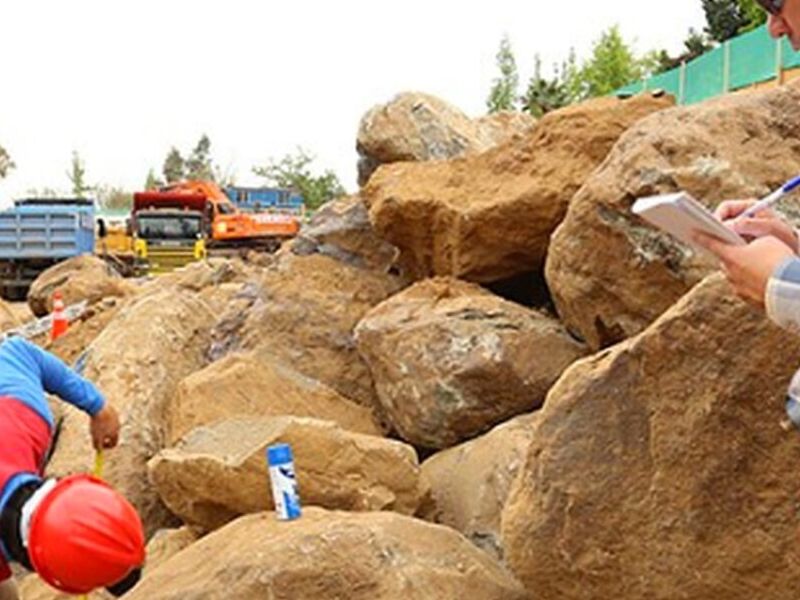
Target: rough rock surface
x,y
450,360
137,362
341,229
8,316
84,277
83,331
658,468
330,556
610,274
219,472
469,483
489,217
418,127
253,384
302,310
166,543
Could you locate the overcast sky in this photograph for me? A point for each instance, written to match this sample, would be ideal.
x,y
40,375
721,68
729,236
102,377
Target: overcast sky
x,y
122,81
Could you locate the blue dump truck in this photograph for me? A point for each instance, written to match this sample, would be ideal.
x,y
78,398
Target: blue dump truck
x,y
265,199
38,233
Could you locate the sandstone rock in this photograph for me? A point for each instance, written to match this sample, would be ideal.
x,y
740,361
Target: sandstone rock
x,y
302,310
418,127
489,217
219,472
658,468
137,362
341,229
450,359
330,555
8,316
469,483
20,312
83,331
252,384
610,274
166,543
84,277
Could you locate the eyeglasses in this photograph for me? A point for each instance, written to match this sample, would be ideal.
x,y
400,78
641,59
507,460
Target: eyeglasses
x,y
773,7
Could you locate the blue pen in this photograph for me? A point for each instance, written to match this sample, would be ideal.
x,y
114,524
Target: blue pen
x,y
773,198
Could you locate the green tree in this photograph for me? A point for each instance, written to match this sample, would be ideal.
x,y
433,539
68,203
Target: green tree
x,y
6,164
199,166
77,176
294,172
503,95
152,182
752,15
113,198
724,18
611,66
544,95
174,166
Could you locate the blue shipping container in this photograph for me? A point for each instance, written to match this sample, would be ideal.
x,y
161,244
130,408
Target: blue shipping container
x,y
264,198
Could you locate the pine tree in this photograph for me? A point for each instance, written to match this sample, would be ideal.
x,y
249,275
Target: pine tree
x,y
503,95
6,164
611,66
77,176
544,95
174,166
152,182
724,18
198,165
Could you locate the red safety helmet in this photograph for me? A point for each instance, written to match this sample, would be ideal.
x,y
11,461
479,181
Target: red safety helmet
x,y
84,535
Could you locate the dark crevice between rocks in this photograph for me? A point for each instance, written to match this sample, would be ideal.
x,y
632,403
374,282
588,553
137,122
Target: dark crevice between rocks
x,y
528,289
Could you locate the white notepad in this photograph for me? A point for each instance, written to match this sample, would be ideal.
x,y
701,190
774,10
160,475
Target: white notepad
x,y
680,215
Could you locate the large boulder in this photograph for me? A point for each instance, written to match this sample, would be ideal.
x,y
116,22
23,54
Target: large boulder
x,y
341,229
8,316
468,484
489,217
418,127
83,277
219,472
137,362
254,384
610,273
450,360
330,556
658,468
302,310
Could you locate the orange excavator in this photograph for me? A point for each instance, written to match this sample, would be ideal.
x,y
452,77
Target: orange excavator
x,y
222,226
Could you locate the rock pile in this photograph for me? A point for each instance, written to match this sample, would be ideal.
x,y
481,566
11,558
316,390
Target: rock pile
x,y
450,442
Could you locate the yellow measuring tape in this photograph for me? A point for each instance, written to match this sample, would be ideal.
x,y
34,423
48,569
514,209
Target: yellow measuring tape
x,y
99,460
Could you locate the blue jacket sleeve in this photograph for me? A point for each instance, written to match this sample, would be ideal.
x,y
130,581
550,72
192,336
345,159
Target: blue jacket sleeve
x,y
59,379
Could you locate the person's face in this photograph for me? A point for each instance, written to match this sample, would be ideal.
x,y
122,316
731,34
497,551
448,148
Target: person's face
x,y
787,22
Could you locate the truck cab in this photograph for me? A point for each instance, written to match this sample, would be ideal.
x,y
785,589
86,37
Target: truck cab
x,y
168,232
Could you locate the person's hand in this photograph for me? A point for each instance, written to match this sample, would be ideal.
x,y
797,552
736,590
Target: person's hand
x,y
749,267
105,428
765,223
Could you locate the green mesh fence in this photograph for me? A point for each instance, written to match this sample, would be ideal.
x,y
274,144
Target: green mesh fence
x,y
705,76
752,59
791,58
742,61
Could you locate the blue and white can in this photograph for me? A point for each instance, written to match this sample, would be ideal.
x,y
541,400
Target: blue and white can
x,y
284,482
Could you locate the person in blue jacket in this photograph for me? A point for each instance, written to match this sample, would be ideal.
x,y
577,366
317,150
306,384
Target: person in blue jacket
x,y
27,373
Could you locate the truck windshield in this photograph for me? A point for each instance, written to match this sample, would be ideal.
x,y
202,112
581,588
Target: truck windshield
x,y
168,227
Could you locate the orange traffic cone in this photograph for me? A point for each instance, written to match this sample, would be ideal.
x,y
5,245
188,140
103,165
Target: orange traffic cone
x,y
59,319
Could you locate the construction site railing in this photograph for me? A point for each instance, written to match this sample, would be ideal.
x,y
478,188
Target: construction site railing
x,y
747,60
